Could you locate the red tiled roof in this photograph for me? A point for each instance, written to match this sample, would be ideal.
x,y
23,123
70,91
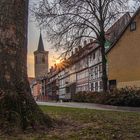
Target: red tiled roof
x,y
111,34
114,31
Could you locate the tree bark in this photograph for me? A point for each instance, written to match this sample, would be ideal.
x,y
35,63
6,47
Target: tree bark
x,y
17,106
102,41
104,70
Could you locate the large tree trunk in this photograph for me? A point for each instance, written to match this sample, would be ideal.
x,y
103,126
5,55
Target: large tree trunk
x,y
104,70
102,41
17,106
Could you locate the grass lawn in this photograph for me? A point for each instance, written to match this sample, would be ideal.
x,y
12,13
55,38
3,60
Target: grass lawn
x,y
86,124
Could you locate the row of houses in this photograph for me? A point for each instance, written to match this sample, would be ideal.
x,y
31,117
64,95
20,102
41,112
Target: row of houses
x,y
82,71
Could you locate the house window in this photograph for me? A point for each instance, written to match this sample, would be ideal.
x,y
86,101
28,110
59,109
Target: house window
x,y
133,26
112,84
96,72
92,86
100,68
96,86
101,85
67,89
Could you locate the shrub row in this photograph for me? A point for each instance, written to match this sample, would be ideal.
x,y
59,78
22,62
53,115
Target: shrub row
x,y
122,97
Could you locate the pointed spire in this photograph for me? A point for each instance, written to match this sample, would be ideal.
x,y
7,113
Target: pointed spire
x,y
40,44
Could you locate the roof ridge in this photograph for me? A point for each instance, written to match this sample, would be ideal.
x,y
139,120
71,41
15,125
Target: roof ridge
x,y
123,31
118,20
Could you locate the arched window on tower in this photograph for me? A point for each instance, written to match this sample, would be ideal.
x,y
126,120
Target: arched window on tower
x,y
36,59
43,59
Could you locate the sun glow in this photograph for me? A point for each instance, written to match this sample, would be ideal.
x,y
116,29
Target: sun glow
x,y
57,61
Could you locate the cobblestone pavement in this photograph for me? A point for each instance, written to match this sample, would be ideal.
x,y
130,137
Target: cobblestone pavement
x,y
91,106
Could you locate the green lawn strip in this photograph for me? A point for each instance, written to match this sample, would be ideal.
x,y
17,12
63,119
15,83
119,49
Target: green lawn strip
x,y
99,124
88,124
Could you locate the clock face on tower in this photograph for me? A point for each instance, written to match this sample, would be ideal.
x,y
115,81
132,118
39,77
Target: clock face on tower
x,y
41,60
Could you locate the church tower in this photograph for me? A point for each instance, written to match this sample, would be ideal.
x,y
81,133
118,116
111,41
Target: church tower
x,y
41,59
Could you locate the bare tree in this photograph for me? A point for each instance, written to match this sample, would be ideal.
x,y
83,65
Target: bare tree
x,y
18,109
136,4
69,22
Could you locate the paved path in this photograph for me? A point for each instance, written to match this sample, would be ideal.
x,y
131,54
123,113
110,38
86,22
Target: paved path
x,y
91,106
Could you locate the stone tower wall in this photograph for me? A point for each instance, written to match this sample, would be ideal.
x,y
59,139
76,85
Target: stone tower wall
x,y
41,63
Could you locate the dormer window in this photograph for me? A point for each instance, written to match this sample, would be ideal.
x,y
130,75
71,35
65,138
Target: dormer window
x,y
133,26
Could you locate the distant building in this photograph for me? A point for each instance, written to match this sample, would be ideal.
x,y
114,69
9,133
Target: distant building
x,y
84,72
41,60
124,56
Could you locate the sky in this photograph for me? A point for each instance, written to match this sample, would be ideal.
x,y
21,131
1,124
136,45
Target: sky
x,y
33,39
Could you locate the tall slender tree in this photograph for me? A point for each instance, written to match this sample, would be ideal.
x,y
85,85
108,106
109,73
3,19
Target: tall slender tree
x,y
17,106
68,22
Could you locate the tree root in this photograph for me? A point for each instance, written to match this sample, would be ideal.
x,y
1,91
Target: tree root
x,y
19,112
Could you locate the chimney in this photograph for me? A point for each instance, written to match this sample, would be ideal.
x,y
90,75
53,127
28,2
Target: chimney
x,y
79,47
76,50
85,43
72,53
55,66
51,70
91,40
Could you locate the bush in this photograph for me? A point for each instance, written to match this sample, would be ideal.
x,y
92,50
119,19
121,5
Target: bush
x,y
123,97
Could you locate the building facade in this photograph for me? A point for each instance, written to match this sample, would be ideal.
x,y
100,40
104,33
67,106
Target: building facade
x,y
124,56
36,87
84,69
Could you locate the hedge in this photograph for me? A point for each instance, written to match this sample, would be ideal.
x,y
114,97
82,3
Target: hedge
x,y
123,97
